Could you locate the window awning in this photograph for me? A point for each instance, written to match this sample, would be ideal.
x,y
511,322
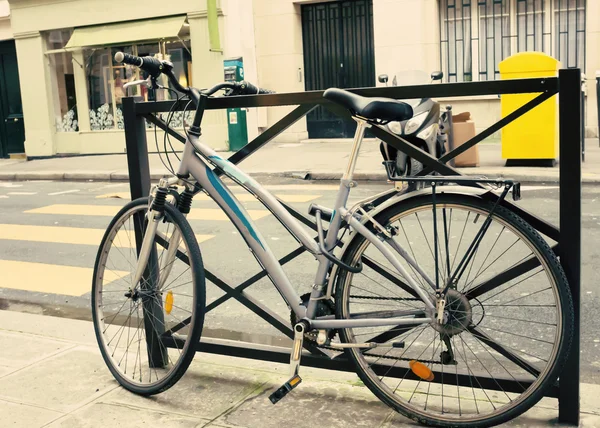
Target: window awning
x,y
127,32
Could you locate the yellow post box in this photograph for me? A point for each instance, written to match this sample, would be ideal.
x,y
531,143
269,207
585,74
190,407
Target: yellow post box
x,y
531,139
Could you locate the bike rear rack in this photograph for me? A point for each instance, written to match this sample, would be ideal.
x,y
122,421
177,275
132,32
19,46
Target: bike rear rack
x,y
567,236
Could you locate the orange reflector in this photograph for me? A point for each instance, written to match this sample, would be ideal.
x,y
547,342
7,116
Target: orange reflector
x,y
169,302
421,370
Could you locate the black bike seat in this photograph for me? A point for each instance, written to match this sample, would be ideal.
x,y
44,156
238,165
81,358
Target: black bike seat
x,y
384,109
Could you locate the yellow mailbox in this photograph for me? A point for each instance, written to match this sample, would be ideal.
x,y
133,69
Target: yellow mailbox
x,y
532,138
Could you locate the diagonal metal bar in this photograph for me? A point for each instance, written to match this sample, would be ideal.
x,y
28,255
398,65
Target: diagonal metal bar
x,y
243,298
298,216
480,335
254,278
494,128
389,275
414,152
392,333
163,125
536,222
505,276
277,128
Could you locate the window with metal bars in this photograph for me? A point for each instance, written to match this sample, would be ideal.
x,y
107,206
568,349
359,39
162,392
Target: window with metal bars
x,y
569,32
456,39
494,36
476,35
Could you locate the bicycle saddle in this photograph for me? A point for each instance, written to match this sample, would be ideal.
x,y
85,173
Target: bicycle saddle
x,y
384,109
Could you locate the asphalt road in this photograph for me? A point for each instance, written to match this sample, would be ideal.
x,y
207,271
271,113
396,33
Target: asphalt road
x,y
50,273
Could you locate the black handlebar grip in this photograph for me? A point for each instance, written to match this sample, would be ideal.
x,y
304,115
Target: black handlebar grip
x,y
128,59
248,88
149,64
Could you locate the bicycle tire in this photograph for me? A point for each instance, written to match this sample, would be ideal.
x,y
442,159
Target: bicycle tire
x,y
564,329
196,303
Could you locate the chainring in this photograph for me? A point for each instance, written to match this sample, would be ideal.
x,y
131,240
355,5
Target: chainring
x,y
324,307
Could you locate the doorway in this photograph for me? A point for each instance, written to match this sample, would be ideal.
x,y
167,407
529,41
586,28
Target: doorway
x,y
338,52
12,130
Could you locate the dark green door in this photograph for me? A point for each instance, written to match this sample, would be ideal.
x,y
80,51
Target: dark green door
x,y
12,130
338,52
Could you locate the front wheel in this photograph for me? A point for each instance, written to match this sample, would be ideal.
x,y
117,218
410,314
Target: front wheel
x,y
508,320
147,332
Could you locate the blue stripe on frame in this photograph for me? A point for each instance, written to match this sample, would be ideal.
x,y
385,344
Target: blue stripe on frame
x,y
216,183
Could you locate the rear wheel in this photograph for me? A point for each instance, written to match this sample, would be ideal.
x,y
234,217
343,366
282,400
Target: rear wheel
x,y
148,332
508,319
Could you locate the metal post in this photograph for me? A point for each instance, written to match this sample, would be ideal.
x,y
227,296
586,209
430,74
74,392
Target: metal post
x,y
139,185
450,133
583,92
598,102
570,229
137,149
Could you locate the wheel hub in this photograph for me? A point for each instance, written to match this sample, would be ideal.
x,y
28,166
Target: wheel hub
x,y
457,314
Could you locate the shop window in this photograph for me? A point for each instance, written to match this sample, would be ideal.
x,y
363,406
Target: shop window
x,y
106,79
63,83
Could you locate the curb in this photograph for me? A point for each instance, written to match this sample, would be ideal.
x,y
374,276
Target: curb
x,y
323,175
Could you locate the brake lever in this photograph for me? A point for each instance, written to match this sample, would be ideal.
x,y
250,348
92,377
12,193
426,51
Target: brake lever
x,y
145,82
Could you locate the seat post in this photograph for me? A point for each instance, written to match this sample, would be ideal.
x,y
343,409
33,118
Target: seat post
x,y
358,137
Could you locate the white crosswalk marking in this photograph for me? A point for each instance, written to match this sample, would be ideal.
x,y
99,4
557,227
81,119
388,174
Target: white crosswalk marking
x,y
63,192
22,193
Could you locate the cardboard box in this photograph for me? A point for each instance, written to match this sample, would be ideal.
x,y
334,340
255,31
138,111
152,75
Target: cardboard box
x,y
463,129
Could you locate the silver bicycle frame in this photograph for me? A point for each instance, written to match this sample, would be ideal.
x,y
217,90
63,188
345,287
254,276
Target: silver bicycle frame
x,y
195,162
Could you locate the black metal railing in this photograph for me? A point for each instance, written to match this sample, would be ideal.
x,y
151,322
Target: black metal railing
x,y
567,236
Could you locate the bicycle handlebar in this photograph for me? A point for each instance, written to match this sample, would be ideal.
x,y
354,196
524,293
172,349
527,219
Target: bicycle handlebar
x,y
155,67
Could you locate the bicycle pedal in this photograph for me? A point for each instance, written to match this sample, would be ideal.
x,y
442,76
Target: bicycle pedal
x,y
285,389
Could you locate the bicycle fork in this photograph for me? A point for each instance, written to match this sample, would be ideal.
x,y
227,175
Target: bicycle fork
x,y
155,215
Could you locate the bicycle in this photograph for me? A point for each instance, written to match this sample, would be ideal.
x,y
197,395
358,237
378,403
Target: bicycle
x,y
401,295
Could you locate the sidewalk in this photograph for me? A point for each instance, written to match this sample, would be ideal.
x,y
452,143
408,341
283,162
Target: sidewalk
x,y
51,374
309,159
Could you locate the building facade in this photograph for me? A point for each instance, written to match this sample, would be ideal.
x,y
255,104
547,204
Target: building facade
x,y
71,88
328,44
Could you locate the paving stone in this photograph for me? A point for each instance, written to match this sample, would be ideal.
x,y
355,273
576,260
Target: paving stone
x,y
205,390
114,415
20,350
24,416
61,383
332,405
